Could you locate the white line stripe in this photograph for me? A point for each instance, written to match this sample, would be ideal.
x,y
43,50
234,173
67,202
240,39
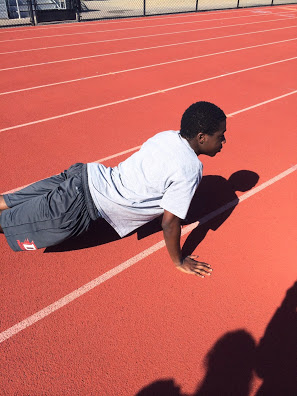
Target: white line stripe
x,y
120,52
118,39
138,147
144,67
124,20
99,161
129,28
262,103
288,8
121,39
5,335
242,198
146,95
126,38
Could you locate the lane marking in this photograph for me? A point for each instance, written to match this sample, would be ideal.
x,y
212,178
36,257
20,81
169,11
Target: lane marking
x,y
80,79
131,38
262,103
98,161
242,198
146,95
129,28
287,15
288,8
125,20
99,41
138,147
29,321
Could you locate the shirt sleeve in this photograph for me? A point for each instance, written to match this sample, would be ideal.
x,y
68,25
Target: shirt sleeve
x,y
178,196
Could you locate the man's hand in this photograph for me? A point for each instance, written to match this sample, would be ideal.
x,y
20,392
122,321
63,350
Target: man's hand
x,y
194,267
172,231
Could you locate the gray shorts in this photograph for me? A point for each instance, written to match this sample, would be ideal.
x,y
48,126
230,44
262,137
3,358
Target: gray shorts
x,y
47,212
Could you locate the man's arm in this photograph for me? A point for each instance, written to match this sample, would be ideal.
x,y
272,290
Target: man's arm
x,y
171,226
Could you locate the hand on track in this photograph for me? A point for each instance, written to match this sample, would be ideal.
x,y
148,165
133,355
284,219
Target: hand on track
x,y
191,266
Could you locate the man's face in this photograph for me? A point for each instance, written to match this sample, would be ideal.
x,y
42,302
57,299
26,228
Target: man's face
x,y
212,144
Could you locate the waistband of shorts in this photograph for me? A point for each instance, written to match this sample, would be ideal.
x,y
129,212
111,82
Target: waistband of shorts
x,y
93,211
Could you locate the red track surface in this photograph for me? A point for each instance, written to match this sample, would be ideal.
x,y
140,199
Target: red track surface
x,y
151,322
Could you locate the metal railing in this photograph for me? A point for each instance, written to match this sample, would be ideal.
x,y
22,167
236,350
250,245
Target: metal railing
x,y
22,12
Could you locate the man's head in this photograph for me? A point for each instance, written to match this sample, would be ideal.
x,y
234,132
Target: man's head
x,y
203,124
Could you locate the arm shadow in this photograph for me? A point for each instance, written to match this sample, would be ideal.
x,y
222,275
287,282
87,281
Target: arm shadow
x,y
276,360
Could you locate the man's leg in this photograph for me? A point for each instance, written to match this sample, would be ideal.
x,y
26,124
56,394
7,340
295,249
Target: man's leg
x,y
3,206
38,188
47,219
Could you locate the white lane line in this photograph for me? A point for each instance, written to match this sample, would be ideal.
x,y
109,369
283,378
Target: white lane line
x,y
138,147
288,8
99,161
127,38
99,41
121,29
144,67
262,103
146,95
125,20
5,335
242,198
120,39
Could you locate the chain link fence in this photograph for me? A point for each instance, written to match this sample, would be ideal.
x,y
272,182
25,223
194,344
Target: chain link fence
x,y
33,12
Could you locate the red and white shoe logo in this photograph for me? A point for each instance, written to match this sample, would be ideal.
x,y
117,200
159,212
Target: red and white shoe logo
x,y
26,245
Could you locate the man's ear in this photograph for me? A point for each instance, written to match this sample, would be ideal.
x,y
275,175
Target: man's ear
x,y
201,137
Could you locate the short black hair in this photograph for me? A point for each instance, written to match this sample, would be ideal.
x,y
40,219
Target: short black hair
x,y
202,117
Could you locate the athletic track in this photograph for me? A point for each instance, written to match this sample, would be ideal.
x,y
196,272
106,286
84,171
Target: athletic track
x,y
115,316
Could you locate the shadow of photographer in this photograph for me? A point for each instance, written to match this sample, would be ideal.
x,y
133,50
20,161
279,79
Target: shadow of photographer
x,y
230,363
229,367
276,362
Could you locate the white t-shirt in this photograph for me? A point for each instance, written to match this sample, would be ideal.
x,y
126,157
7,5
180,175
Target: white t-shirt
x,y
163,174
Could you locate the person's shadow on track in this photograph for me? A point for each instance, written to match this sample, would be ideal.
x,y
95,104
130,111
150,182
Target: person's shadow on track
x,y
214,193
233,358
276,360
229,367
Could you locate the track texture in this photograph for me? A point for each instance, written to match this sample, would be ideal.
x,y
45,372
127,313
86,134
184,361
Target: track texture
x,y
85,92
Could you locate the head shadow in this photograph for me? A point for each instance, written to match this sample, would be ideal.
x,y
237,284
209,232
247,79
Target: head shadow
x,y
213,202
